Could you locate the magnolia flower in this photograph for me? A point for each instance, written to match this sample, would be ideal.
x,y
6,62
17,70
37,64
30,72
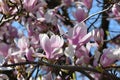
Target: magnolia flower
x,y
33,5
88,3
70,51
78,35
82,56
105,60
4,7
116,10
108,57
51,46
80,14
29,54
4,49
30,5
98,36
23,43
67,2
50,17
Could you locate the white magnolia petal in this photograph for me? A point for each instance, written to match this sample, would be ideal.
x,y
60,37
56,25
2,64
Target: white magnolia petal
x,y
70,51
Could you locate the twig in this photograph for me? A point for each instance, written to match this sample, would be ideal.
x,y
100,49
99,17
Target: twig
x,y
97,13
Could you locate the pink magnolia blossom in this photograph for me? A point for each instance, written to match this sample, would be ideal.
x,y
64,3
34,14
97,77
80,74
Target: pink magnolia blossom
x,y
108,57
50,17
4,7
116,11
88,3
4,49
80,14
68,2
82,55
23,43
51,46
30,5
78,35
98,36
29,54
33,5
105,59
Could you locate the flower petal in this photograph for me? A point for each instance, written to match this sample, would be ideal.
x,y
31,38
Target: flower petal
x,y
45,44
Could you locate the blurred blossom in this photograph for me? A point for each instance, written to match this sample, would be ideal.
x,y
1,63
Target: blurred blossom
x,y
33,5
8,32
30,5
4,7
98,36
70,51
51,46
115,53
23,43
4,77
108,57
4,49
82,56
88,3
29,54
50,17
116,11
80,14
48,76
68,2
105,59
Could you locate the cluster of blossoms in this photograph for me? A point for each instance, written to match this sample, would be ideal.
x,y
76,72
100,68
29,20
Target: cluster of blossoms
x,y
52,37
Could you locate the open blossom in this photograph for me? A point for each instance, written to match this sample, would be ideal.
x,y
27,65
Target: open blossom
x,y
51,46
78,35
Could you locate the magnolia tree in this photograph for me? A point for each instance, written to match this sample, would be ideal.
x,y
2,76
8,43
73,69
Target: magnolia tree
x,y
58,41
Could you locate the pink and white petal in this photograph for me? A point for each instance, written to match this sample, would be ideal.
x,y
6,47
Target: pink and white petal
x,y
4,49
56,53
45,44
70,51
87,38
23,43
56,41
29,54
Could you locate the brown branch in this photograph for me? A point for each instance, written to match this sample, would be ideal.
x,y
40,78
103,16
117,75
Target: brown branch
x,y
66,67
